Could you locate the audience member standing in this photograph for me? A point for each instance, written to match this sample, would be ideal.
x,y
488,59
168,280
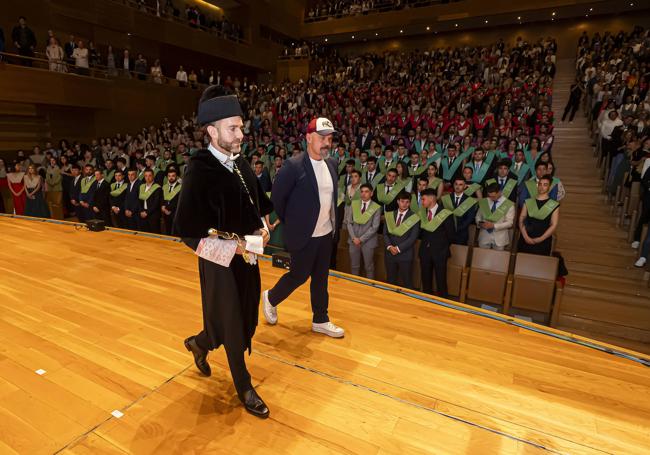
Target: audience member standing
x,y
24,39
54,194
55,56
171,190
141,67
436,235
69,48
16,180
34,202
150,196
538,220
132,201
80,55
101,204
362,219
181,76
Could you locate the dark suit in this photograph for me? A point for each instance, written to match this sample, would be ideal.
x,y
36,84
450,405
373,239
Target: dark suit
x,y
464,222
434,252
101,201
151,223
363,145
297,203
119,201
73,194
401,265
87,197
132,203
265,181
171,206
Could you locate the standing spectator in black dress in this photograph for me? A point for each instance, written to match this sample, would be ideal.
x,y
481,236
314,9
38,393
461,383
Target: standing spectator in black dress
x,y
538,220
572,105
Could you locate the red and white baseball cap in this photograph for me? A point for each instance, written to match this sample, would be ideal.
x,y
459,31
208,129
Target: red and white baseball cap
x,y
322,126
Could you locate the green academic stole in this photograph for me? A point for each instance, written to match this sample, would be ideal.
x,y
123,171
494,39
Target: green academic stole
x,y
356,197
480,174
523,170
436,221
86,185
363,218
507,189
375,180
169,195
433,158
434,183
141,175
384,168
448,172
462,208
419,171
110,175
414,203
405,225
473,188
441,150
392,194
543,212
144,194
466,153
419,145
529,158
116,192
500,212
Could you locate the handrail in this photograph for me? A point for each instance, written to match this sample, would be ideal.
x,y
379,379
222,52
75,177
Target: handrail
x,y
161,15
96,71
375,10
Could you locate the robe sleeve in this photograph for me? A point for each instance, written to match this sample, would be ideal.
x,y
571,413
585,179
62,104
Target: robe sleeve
x,y
265,204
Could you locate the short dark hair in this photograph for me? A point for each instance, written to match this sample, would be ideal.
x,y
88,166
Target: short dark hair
x,y
148,170
354,171
429,192
415,153
364,151
540,163
150,157
458,177
76,166
351,161
403,195
492,188
119,172
423,178
372,159
366,185
393,170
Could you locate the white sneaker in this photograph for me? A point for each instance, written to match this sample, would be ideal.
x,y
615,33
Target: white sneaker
x,y
635,245
328,329
270,312
640,262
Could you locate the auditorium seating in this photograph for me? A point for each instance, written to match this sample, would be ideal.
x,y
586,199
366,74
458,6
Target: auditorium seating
x,y
457,271
488,276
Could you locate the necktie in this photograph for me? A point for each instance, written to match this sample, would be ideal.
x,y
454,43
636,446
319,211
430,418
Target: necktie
x,y
399,219
476,167
370,176
363,208
171,187
451,160
493,209
502,183
429,214
457,201
388,188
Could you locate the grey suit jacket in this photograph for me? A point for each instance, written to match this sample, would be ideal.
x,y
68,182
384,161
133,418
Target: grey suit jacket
x,y
366,232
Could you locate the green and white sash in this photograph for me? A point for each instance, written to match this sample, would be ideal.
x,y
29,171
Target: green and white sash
x,y
115,192
405,225
500,212
447,171
375,180
144,194
523,171
462,208
363,218
507,188
110,176
385,167
419,171
392,194
414,203
479,175
169,195
86,184
473,188
434,183
356,197
436,221
542,212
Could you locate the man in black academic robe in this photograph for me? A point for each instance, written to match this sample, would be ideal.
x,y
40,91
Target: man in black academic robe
x,y
132,201
101,201
221,192
117,199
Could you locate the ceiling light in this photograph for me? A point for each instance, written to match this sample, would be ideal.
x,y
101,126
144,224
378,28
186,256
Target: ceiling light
x,y
518,18
376,34
456,25
553,13
326,40
486,21
429,28
401,31
591,9
352,36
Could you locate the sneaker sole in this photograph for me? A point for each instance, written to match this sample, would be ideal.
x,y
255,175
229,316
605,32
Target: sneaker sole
x,y
328,333
266,315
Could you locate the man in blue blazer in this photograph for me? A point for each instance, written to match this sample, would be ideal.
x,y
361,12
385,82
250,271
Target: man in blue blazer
x,y
305,198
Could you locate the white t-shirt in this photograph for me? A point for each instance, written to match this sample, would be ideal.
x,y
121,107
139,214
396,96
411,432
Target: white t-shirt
x,y
325,191
81,57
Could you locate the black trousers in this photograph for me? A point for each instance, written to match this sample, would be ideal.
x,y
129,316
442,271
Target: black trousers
x,y
644,218
149,224
223,319
311,262
433,262
397,271
571,106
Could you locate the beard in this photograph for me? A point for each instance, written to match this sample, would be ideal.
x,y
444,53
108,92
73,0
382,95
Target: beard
x,y
232,147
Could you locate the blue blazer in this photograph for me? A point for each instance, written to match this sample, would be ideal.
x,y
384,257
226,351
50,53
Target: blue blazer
x,y
296,200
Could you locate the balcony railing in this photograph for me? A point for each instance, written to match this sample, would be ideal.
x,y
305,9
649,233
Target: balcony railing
x,y
379,7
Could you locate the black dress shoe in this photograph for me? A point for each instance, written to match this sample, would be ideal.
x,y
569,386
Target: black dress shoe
x,y
254,404
200,356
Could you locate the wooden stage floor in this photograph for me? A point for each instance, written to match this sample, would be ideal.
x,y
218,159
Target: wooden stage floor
x,y
105,315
